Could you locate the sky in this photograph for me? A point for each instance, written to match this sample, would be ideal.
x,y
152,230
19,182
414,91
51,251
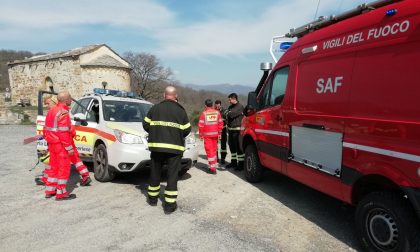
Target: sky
x,y
203,42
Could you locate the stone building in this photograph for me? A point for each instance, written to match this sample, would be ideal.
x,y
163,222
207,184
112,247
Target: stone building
x,y
78,70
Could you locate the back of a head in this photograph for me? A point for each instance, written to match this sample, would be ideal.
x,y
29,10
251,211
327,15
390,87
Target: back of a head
x,y
170,93
63,96
218,102
233,95
208,103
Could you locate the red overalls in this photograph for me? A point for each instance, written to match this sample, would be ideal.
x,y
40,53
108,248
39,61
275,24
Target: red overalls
x,y
210,128
74,159
57,133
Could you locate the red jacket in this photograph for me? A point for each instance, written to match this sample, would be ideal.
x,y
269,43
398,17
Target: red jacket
x,y
57,127
210,124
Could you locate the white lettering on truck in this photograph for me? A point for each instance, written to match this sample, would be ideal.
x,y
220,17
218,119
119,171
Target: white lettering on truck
x,y
329,85
374,33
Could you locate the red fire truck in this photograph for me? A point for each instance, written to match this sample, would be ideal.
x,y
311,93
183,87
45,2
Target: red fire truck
x,y
340,112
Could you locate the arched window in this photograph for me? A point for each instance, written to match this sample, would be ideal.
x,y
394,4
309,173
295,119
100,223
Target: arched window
x,y
49,85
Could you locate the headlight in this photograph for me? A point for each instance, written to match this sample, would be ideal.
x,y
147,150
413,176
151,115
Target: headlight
x,y
190,139
126,138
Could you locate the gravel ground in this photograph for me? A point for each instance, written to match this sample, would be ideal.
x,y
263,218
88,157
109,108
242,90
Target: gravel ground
x,y
222,212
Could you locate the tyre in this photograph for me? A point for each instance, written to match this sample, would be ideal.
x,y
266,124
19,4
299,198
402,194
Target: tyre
x,y
385,221
253,167
100,165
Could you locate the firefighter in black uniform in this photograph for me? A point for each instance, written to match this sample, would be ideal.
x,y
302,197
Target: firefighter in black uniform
x,y
223,139
167,124
234,115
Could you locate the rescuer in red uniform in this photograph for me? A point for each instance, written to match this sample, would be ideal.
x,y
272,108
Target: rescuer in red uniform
x,y
210,128
51,102
57,132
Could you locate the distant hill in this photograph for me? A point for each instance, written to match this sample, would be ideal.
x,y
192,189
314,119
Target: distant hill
x,y
223,88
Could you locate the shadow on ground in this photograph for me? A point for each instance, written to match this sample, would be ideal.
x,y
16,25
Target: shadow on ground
x,y
328,213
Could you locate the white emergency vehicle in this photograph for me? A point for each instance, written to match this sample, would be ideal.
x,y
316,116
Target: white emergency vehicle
x,y
109,133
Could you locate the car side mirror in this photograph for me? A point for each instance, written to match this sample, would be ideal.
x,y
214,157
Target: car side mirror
x,y
79,117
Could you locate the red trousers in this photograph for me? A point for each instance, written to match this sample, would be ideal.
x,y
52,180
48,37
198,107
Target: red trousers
x,y
210,146
75,160
59,172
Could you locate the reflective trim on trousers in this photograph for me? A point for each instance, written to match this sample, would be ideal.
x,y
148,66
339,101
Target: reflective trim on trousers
x,y
241,157
235,128
61,191
51,180
212,158
223,150
170,196
170,200
68,148
78,164
153,191
233,156
210,133
84,171
62,181
50,188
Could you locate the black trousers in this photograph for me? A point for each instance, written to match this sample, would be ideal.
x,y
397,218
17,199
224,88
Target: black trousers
x,y
235,151
173,161
223,150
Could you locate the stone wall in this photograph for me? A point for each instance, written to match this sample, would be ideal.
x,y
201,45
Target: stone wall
x,y
27,79
115,78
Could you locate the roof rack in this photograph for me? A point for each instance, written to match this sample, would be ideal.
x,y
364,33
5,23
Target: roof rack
x,y
324,21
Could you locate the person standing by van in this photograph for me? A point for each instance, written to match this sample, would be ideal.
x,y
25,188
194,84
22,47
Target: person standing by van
x,y
223,138
167,124
210,128
234,115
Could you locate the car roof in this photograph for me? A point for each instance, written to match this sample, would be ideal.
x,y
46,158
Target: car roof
x,y
117,98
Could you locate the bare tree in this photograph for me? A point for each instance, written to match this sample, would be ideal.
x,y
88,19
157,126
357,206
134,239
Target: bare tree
x,y
148,75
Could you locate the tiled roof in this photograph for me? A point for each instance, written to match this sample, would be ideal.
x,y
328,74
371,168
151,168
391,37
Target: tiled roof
x,y
105,61
70,53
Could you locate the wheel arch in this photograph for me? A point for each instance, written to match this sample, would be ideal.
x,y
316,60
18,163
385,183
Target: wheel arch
x,y
372,183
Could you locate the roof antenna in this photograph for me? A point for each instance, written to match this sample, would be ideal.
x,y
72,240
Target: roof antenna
x,y
317,7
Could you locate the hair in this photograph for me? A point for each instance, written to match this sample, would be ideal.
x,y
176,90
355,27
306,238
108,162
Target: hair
x,y
209,103
218,102
233,95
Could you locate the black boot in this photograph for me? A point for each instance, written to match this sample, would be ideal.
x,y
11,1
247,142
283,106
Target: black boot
x,y
85,181
169,208
231,165
240,166
152,201
39,181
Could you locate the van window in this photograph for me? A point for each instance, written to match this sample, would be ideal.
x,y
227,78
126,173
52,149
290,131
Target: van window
x,y
279,86
275,89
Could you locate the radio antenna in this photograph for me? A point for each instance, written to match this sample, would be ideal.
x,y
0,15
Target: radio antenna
x,y
317,7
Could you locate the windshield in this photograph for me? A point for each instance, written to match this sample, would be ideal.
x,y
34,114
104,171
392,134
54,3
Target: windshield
x,y
122,111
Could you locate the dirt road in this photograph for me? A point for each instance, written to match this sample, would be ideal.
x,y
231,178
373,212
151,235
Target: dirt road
x,y
222,212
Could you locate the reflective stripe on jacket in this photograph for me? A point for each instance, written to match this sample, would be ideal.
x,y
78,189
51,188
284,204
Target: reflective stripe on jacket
x,y
210,123
57,127
167,124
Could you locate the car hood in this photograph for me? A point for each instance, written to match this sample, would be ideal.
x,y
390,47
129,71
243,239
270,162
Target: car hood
x,y
134,128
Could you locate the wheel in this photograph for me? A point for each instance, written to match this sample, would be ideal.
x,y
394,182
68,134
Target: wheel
x,y
253,167
385,221
100,165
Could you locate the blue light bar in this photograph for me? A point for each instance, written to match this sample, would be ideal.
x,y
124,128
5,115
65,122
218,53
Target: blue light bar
x,y
391,12
285,45
99,91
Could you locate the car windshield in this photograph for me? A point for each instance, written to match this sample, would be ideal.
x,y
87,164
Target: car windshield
x,y
122,111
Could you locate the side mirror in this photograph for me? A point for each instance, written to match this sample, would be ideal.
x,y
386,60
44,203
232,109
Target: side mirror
x,y
79,117
252,100
249,110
